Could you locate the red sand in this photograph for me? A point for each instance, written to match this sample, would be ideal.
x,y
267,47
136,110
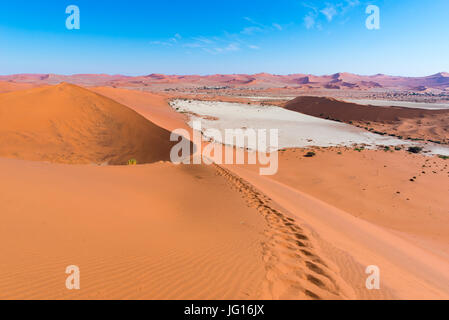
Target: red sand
x,y
159,231
69,124
400,121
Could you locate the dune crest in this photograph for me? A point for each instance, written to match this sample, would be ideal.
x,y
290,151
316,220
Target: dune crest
x,y
69,124
411,123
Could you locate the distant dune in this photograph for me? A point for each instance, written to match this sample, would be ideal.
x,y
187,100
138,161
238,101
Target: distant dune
x,y
7,86
337,81
346,111
400,121
70,124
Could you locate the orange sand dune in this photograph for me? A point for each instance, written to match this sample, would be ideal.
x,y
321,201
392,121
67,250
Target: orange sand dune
x,y
155,231
376,186
347,111
351,203
145,232
160,231
400,121
69,124
152,106
6,86
343,80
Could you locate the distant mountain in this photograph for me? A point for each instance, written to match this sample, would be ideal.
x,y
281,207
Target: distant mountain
x,y
338,81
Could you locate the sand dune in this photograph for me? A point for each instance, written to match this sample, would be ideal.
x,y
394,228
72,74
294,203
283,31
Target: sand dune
x,y
6,86
375,185
351,203
152,106
346,111
69,124
157,231
145,232
408,270
152,232
401,121
161,231
337,81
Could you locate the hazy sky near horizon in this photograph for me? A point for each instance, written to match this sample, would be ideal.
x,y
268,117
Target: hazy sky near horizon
x,y
234,36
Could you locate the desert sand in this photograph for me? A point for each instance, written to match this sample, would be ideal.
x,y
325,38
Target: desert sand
x,y
160,231
70,124
155,231
416,236
144,232
405,104
6,86
264,81
405,122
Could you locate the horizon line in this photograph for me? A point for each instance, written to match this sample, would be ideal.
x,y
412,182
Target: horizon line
x,y
215,74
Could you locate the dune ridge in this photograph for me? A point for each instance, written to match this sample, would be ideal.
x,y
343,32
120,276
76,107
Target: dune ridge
x,y
69,124
405,122
337,81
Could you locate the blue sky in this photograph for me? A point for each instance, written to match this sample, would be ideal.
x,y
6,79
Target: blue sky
x,y
234,36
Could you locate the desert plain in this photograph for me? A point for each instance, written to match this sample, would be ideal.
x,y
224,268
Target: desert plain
x,y
358,185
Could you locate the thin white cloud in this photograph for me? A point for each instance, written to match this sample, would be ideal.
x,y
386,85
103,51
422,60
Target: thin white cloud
x,y
309,21
161,43
204,40
227,42
329,12
232,47
254,22
277,26
251,30
193,45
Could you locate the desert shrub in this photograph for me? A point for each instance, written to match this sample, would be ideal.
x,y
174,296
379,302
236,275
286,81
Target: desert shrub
x,y
132,162
397,148
443,157
310,154
414,149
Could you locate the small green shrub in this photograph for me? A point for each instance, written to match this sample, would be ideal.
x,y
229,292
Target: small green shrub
x,y
443,157
132,162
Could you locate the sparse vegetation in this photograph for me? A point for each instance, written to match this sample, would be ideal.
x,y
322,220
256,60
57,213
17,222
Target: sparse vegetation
x,y
415,149
443,157
310,154
132,162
